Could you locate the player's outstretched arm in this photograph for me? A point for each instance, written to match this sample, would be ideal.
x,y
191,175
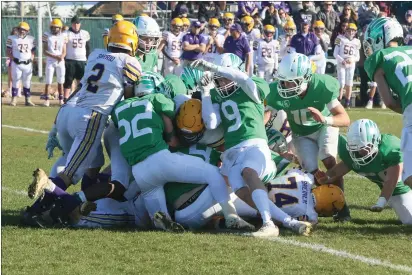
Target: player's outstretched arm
x,y
385,92
393,173
210,113
333,174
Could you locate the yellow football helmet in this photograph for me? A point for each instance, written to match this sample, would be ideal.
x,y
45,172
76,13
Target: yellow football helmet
x,y
319,24
228,15
189,121
352,26
247,23
24,26
123,35
329,199
214,22
176,25
56,23
186,23
289,27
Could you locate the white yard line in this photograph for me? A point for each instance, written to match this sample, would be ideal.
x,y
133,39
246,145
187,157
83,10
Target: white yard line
x,y
344,254
11,190
25,129
377,112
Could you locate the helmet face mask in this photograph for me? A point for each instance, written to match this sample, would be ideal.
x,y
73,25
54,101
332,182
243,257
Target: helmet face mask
x,y
224,86
149,34
268,35
176,29
55,30
363,139
147,43
277,141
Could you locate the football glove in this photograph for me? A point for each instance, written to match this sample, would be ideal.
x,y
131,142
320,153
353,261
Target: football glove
x,y
203,65
380,204
52,142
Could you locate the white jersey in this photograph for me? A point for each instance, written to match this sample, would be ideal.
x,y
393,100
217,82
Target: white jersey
x,y
76,45
267,52
293,194
212,52
21,47
55,43
284,43
222,31
252,36
346,49
173,44
103,82
279,121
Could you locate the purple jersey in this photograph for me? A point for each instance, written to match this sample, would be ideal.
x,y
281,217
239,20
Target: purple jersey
x,y
240,47
192,39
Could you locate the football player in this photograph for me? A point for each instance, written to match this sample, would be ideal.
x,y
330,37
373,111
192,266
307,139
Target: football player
x,y
347,54
171,46
266,54
186,25
324,41
377,157
252,34
145,147
214,41
115,18
228,20
284,39
247,159
110,74
149,39
20,49
387,65
313,111
54,47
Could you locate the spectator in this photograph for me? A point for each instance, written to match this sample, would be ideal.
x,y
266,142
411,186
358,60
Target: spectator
x,y
295,6
385,8
202,21
368,7
238,44
258,23
193,44
349,13
268,14
339,30
399,9
305,14
247,8
305,42
228,20
208,10
181,10
275,17
407,28
329,17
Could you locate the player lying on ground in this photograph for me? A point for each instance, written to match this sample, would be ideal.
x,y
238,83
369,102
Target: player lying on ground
x,y
378,157
390,66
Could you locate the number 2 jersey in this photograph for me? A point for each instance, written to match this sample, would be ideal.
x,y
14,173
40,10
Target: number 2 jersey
x,y
141,127
322,94
397,64
105,76
293,194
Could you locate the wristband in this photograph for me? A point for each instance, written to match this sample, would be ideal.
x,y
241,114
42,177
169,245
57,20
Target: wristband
x,y
329,121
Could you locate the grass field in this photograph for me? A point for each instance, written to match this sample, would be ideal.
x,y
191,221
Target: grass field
x,y
373,243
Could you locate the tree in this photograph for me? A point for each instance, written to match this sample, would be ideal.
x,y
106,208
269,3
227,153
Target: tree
x,y
10,8
52,6
78,9
32,10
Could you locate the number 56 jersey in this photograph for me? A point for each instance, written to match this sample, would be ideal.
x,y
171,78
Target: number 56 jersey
x,y
293,194
106,75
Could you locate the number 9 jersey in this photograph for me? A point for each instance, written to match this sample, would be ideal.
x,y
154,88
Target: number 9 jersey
x,y
106,74
293,194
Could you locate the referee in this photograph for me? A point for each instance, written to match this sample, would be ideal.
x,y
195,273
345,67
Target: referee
x,y
77,51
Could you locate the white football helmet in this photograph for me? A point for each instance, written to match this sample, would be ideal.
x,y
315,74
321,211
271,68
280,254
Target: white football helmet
x,y
294,68
363,139
149,33
379,33
225,87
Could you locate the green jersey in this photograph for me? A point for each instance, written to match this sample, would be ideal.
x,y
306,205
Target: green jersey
x,y
242,118
322,89
397,65
149,61
175,85
140,124
389,154
174,190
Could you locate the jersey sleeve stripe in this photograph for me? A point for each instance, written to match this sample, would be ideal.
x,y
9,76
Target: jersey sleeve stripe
x,y
130,75
133,67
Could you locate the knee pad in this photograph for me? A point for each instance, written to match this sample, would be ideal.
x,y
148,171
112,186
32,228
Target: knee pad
x,y
118,191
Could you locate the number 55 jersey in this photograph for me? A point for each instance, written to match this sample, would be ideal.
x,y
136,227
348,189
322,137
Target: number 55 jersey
x,y
105,76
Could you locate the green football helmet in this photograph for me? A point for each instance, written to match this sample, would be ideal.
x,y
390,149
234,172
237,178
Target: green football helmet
x,y
150,83
379,33
191,78
363,139
277,141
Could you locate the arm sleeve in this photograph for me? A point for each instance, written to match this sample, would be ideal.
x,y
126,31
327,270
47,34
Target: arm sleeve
x,y
210,113
335,102
243,80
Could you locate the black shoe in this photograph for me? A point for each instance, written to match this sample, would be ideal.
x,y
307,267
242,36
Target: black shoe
x,y
31,218
163,222
343,215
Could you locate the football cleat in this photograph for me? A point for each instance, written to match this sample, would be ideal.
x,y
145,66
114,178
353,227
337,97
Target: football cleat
x,y
28,102
369,105
13,101
267,230
46,103
301,227
165,223
39,183
236,222
383,106
343,215
87,207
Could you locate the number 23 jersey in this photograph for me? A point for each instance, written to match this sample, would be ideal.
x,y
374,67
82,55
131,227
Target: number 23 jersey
x,y
104,79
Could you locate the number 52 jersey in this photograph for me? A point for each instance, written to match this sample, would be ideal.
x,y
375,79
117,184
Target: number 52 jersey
x,y
106,75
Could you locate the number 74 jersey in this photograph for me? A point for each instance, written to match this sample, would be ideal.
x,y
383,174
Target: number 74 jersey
x,y
397,65
106,75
